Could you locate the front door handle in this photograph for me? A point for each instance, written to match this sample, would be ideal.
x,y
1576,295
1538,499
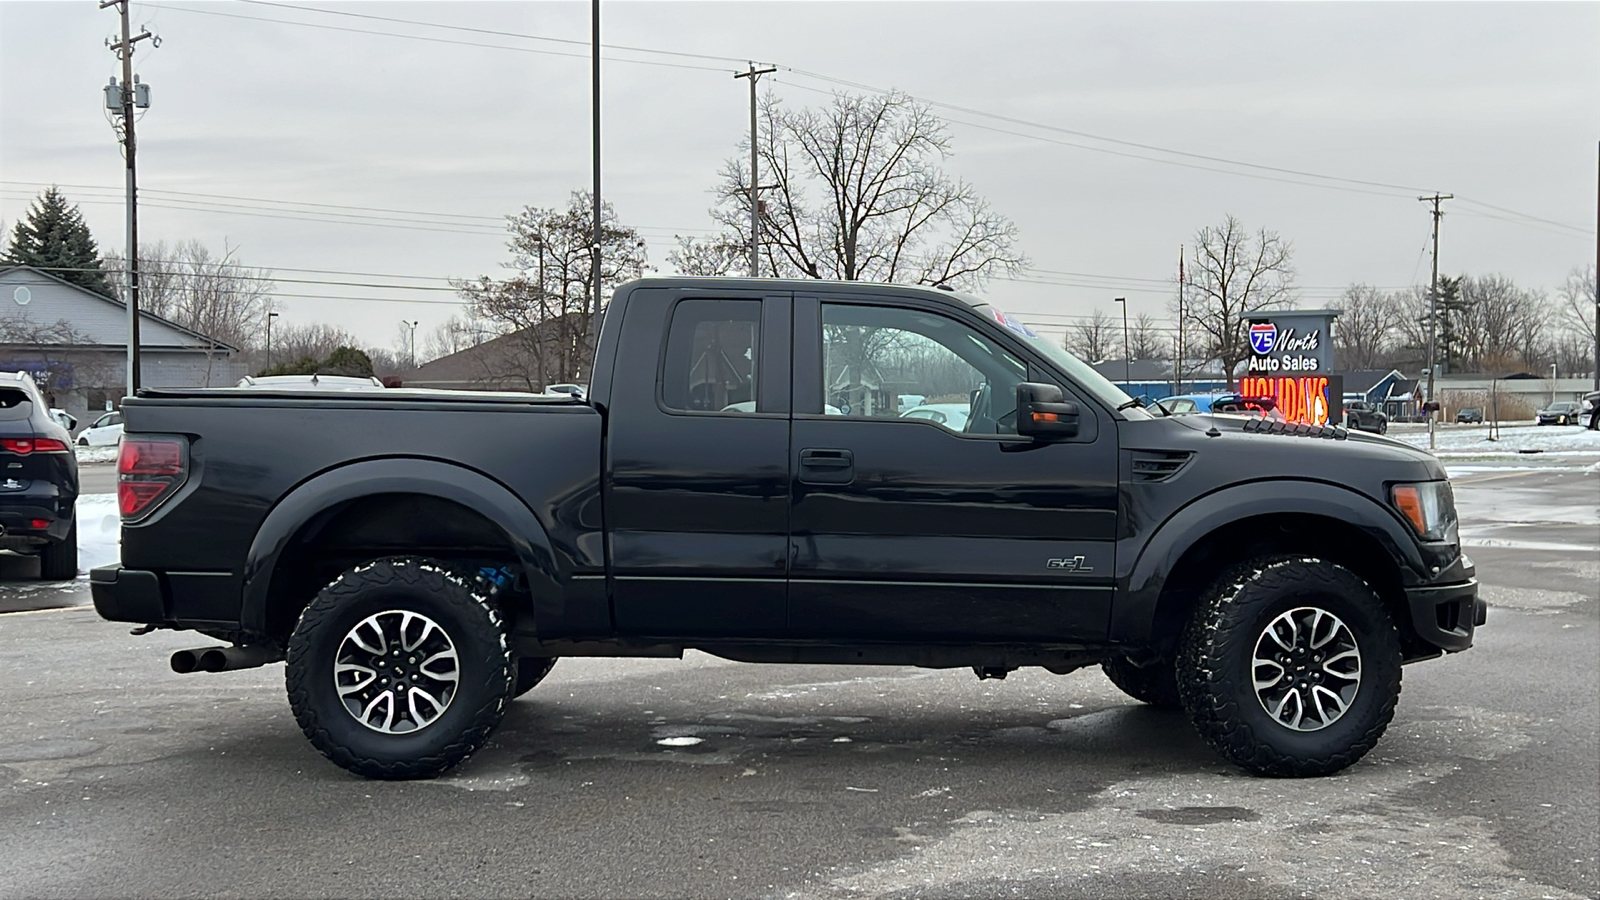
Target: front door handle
x,y
827,466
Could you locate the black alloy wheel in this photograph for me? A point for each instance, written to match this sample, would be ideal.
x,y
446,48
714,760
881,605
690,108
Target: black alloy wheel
x,y
399,669
1290,666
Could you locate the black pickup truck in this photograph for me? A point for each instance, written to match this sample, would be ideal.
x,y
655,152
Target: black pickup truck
x,y
743,478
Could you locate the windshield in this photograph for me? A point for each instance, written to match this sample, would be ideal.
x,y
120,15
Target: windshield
x,y
1074,368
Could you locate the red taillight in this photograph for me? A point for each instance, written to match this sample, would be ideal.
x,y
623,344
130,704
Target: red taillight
x,y
24,446
149,470
147,457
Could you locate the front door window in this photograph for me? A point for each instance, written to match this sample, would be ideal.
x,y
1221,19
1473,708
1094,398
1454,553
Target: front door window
x,y
891,363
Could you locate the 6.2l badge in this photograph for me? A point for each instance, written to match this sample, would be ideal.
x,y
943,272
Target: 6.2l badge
x,y
1070,564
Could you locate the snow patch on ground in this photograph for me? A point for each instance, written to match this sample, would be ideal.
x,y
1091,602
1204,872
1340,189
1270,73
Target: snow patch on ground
x,y
96,454
99,532
1513,439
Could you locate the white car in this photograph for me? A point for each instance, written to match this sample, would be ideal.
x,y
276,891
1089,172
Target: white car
x,y
103,432
575,391
311,383
750,407
951,415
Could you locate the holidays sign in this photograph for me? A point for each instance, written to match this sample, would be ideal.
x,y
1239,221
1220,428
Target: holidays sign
x,y
1292,343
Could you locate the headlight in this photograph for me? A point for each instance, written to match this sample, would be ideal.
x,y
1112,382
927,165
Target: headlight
x,y
1429,506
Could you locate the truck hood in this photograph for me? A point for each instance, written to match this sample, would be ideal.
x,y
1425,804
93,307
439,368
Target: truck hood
x,y
1260,448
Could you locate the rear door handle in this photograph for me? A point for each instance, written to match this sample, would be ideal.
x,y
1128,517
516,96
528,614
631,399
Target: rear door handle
x,y
827,466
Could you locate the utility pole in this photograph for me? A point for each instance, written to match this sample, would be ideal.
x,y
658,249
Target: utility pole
x,y
412,324
1433,314
130,95
755,190
594,238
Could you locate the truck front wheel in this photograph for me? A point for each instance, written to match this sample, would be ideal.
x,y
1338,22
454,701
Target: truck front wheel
x,y
399,669
1290,666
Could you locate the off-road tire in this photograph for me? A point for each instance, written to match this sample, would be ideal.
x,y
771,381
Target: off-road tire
x,y
1215,666
467,616
530,671
58,560
1155,682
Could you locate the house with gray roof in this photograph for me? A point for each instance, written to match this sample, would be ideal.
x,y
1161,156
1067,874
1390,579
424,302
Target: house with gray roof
x,y
74,343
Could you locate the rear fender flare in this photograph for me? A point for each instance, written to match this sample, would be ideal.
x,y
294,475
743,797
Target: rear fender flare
x,y
353,481
1133,620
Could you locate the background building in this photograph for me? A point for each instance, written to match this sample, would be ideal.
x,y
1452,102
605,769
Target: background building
x,y
74,342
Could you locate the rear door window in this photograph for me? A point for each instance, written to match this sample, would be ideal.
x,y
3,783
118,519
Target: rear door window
x,y
713,357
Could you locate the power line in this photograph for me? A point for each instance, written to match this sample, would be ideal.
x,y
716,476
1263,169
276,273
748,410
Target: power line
x,y
531,37
431,40
1519,217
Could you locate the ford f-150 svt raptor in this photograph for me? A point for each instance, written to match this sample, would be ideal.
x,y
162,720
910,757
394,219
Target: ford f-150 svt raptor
x,y
739,479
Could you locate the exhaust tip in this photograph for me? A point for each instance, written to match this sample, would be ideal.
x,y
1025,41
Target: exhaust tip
x,y
185,661
214,660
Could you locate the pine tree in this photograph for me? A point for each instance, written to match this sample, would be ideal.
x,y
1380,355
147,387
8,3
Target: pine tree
x,y
54,239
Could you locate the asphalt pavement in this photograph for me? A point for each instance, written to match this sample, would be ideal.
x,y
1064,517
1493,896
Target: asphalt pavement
x,y
700,777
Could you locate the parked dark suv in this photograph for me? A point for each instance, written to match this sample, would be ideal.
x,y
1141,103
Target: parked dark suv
x,y
39,486
1364,416
1472,415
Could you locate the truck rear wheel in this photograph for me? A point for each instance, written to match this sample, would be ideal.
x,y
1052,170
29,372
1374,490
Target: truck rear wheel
x,y
1290,666
399,669
1154,682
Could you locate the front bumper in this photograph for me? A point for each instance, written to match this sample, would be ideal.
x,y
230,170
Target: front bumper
x,y
1446,614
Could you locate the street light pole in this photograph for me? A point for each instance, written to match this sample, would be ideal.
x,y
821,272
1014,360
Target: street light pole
x,y
1127,360
270,317
413,326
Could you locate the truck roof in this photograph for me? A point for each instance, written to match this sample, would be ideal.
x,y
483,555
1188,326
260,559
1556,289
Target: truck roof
x,y
811,285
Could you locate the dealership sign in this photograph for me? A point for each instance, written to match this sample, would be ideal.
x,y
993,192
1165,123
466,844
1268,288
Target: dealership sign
x,y
1291,361
1292,342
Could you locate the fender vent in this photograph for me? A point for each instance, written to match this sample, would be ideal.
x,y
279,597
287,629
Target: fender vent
x,y
1158,465
1295,429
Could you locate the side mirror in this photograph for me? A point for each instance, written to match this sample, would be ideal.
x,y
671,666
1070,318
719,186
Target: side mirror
x,y
1043,413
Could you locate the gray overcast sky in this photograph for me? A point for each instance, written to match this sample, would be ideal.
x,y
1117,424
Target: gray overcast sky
x,y
1498,103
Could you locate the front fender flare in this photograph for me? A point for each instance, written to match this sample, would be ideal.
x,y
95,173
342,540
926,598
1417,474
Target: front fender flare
x,y
1133,619
393,475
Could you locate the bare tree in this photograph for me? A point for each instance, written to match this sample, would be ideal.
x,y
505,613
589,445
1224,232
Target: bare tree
x,y
212,294
1368,327
1575,304
719,255
1236,274
858,195
455,334
1499,325
314,341
1145,339
1093,339
548,305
